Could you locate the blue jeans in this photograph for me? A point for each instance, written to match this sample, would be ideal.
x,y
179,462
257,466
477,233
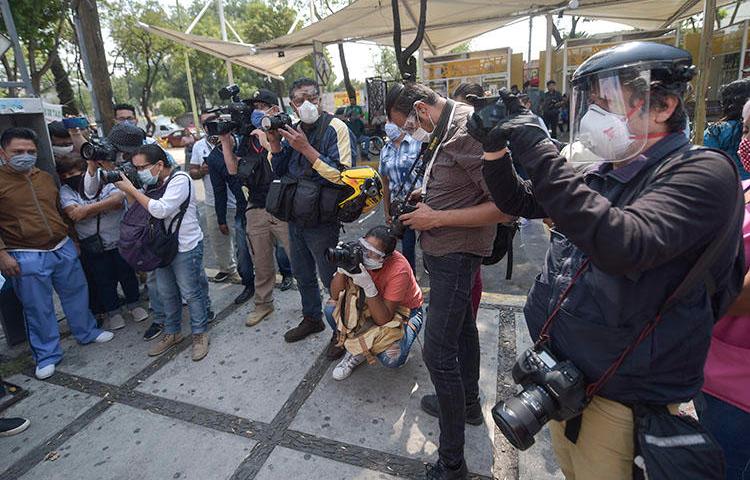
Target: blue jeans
x,y
308,246
285,266
184,277
730,426
451,348
408,247
40,273
405,344
242,251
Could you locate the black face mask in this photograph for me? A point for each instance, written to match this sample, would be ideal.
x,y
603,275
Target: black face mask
x,y
74,182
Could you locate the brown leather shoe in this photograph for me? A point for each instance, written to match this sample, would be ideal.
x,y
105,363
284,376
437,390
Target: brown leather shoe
x,y
167,341
200,346
306,327
334,352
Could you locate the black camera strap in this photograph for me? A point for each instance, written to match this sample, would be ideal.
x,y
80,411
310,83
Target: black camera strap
x,y
428,151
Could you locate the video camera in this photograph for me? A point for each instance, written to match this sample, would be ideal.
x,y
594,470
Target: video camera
x,y
347,256
233,117
552,390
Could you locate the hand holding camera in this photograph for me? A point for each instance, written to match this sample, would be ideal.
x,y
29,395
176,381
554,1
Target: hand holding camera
x,y
298,141
362,280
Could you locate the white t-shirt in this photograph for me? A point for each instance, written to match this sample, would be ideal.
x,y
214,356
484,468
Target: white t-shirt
x,y
201,149
168,206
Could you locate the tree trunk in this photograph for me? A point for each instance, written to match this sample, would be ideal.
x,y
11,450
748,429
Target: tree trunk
x,y
12,73
91,34
64,89
350,92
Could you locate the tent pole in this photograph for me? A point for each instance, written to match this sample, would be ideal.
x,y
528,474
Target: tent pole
x,y
704,59
531,23
191,92
548,52
743,50
223,29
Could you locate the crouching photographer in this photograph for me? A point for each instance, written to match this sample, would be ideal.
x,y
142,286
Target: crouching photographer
x,y
644,257
376,302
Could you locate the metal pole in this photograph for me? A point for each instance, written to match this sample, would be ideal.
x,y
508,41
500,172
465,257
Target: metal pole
x,y
548,52
678,34
704,59
191,91
10,26
531,22
223,28
565,67
743,50
509,52
199,16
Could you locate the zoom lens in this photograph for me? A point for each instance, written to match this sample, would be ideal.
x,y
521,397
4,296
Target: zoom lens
x,y
522,416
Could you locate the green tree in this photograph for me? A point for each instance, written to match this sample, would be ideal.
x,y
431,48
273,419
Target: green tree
x,y
385,64
171,107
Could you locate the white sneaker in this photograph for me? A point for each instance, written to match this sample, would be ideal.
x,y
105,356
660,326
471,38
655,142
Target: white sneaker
x,y
347,365
104,337
45,372
139,314
116,321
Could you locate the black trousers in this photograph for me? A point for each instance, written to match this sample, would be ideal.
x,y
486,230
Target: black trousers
x,y
451,349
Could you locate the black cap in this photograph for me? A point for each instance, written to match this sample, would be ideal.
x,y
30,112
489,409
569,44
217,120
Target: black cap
x,y
265,96
127,138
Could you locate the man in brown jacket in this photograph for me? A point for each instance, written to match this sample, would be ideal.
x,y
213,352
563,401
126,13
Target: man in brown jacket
x,y
36,253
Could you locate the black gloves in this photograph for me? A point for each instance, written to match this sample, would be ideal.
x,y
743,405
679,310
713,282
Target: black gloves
x,y
520,127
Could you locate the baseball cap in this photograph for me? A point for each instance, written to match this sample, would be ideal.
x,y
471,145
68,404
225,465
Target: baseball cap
x,y
265,96
127,138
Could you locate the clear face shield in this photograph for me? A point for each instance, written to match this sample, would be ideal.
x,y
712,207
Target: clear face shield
x,y
609,116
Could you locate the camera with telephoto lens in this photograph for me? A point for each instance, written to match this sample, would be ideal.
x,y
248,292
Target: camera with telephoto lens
x,y
99,150
347,256
552,390
233,117
398,208
128,171
275,122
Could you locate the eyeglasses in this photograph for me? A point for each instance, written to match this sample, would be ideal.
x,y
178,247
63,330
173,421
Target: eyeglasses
x,y
140,168
298,101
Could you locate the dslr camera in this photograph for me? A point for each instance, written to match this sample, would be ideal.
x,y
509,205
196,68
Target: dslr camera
x,y
347,256
398,208
99,150
233,117
128,171
275,122
552,390
492,110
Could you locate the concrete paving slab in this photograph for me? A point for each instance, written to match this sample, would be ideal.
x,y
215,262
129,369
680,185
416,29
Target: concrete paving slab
x,y
126,443
249,372
288,464
379,408
538,462
223,294
49,407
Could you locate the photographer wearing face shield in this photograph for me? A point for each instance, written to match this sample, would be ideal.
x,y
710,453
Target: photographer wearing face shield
x,y
644,257
457,224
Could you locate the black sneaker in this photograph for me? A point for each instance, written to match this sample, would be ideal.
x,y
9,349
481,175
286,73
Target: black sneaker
x,y
431,406
334,352
211,315
440,471
219,277
13,426
246,295
153,331
306,327
286,283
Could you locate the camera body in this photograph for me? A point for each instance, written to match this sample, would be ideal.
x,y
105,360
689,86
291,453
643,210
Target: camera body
x,y
234,117
398,208
347,256
276,122
552,390
128,170
99,150
491,110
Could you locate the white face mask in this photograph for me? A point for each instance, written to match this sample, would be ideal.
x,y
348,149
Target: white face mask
x,y
308,112
605,134
420,134
62,150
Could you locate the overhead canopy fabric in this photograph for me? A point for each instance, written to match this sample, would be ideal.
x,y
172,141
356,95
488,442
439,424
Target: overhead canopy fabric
x,y
267,62
452,22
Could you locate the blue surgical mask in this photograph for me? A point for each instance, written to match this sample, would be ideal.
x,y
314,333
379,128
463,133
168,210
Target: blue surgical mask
x,y
147,178
256,117
392,131
22,162
130,122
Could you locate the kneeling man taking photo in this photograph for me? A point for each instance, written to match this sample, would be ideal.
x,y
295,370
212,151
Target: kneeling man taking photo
x,y
376,308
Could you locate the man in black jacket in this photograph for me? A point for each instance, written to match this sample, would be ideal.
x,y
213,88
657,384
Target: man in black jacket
x,y
627,230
